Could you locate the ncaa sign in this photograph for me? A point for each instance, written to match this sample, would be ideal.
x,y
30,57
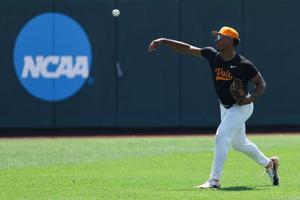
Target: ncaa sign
x,y
52,57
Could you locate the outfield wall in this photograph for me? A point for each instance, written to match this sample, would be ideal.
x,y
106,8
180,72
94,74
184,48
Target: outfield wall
x,y
162,89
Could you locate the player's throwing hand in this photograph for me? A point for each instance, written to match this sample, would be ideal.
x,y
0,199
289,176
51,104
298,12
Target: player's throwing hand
x,y
155,44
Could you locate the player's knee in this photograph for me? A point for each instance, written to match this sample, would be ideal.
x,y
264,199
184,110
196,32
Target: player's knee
x,y
220,136
242,147
237,147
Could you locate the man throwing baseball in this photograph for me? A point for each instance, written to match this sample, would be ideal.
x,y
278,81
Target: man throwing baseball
x,y
231,74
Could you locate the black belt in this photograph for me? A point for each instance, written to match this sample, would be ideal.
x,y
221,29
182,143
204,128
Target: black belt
x,y
227,106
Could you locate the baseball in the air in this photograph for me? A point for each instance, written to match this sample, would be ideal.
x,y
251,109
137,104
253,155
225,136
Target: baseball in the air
x,y
116,13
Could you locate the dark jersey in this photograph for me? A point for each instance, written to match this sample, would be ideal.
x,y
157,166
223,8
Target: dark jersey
x,y
223,72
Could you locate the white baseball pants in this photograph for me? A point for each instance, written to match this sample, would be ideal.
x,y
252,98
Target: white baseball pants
x,y
232,131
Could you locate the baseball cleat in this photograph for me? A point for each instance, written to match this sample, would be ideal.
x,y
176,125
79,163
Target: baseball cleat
x,y
272,170
210,184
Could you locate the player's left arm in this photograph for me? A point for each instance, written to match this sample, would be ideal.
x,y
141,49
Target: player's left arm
x,y
260,87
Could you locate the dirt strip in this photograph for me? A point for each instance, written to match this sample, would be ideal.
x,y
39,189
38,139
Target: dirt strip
x,y
147,136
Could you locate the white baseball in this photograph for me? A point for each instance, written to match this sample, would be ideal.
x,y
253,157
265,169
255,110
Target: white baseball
x,y
115,12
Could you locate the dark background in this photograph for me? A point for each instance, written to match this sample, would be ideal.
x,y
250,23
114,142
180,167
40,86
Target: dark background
x,y
161,89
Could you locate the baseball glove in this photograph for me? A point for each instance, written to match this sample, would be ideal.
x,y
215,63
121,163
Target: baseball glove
x,y
237,90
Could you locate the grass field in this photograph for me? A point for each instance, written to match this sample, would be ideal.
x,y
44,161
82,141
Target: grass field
x,y
140,168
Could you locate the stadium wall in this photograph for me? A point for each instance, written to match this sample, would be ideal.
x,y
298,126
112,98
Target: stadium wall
x,y
129,87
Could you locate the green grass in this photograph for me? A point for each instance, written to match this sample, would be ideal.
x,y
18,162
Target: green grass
x,y
140,168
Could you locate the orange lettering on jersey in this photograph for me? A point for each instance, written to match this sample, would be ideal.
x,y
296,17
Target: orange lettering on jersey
x,y
222,75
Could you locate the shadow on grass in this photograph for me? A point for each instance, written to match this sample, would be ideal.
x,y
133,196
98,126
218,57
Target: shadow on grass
x,y
243,188
237,188
228,189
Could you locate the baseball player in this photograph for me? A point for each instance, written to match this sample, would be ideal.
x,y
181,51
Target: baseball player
x,y
231,73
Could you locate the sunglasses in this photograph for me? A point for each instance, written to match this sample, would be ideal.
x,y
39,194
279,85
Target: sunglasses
x,y
221,37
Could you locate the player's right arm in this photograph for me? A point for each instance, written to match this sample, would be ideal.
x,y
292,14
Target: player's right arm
x,y
178,46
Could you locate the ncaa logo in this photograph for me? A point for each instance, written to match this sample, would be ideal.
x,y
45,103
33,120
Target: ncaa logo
x,y
52,57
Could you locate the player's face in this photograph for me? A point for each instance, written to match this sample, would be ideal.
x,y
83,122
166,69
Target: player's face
x,y
223,42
